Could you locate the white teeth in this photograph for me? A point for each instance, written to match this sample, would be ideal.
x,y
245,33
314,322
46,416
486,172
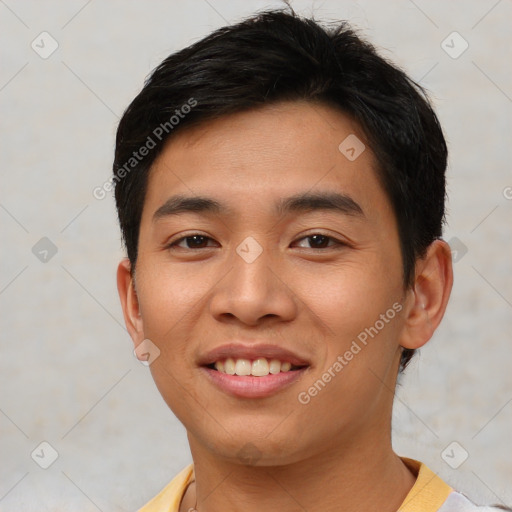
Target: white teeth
x,y
229,366
259,367
285,367
275,366
243,367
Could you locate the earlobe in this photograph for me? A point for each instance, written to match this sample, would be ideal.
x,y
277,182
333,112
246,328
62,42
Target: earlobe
x,y
432,286
129,302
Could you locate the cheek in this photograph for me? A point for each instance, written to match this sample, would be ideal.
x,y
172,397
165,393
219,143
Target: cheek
x,y
356,371
359,307
169,298
169,308
169,305
349,298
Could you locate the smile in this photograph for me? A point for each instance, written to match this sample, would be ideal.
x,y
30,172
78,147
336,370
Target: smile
x,y
260,367
252,370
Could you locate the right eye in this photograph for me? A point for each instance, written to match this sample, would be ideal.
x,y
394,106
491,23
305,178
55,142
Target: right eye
x,y
194,241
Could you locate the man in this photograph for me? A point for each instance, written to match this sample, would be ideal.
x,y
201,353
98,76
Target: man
x,y
280,189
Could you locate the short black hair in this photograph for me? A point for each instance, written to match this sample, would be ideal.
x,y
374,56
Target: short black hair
x,y
277,56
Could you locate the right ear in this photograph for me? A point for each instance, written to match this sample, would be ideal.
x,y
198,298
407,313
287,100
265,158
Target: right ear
x,y
129,302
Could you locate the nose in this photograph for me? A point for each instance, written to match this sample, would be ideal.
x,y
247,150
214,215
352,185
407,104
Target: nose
x,y
253,293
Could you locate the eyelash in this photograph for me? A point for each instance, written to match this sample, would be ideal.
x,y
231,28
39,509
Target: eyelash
x,y
337,243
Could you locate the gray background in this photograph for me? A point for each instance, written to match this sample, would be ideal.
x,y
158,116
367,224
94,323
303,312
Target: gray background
x,y
68,373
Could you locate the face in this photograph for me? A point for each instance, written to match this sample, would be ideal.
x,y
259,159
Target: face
x,y
288,269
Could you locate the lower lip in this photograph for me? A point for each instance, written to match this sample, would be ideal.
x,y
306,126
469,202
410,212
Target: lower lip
x,y
247,386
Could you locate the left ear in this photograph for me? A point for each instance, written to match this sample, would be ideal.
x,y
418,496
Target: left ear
x,y
429,296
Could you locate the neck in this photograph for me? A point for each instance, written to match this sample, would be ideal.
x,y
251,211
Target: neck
x,y
357,475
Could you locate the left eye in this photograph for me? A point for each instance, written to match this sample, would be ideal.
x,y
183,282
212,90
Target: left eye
x,y
193,242
318,241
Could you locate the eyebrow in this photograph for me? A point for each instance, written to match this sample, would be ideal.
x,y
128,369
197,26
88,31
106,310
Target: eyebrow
x,y
300,203
340,203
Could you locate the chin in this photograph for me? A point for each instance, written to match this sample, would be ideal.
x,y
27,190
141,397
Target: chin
x,y
255,450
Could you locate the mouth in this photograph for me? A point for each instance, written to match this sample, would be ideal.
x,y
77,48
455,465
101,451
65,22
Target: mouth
x,y
260,367
247,371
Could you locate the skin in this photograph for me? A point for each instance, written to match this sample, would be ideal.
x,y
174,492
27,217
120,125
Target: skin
x,y
313,301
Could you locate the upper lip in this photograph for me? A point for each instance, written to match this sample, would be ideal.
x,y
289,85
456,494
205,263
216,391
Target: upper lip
x,y
251,351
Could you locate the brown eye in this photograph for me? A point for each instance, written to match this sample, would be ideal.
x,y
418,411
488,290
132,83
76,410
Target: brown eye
x,y
319,241
192,242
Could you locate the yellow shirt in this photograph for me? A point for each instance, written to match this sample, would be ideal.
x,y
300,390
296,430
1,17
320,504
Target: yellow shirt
x,y
429,493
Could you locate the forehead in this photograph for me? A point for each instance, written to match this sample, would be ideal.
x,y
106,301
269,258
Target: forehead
x,y
266,154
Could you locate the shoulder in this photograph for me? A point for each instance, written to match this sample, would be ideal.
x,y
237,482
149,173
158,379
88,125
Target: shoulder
x,y
169,498
457,502
431,494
